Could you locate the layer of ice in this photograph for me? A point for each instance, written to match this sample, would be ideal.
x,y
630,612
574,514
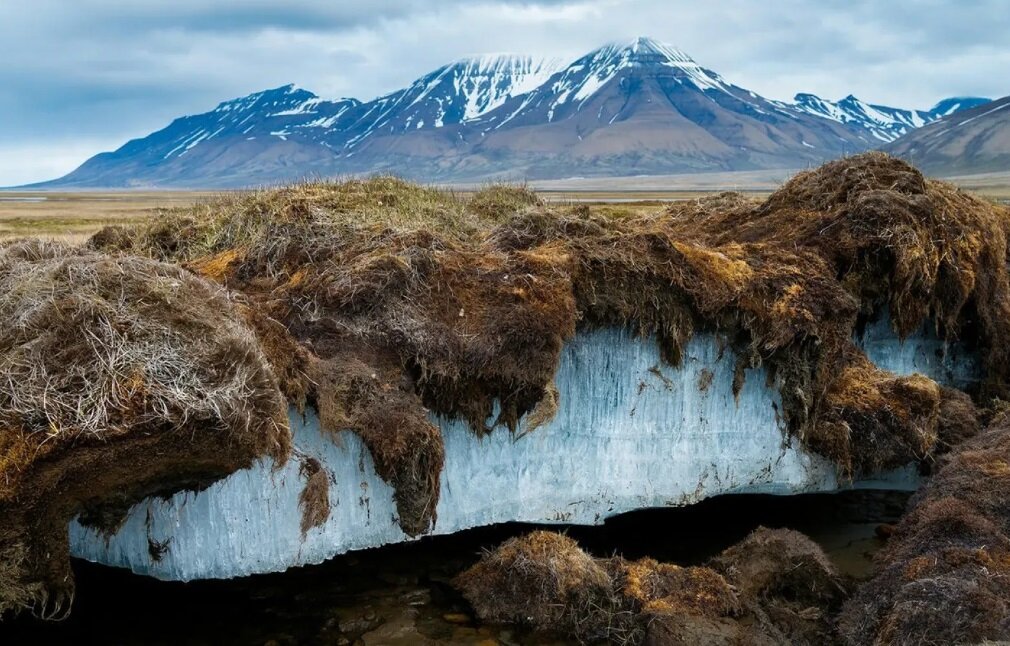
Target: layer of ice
x,y
631,433
950,364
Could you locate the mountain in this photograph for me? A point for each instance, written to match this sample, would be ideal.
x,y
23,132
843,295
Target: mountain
x,y
956,104
225,146
881,122
647,108
452,94
963,143
288,133
632,108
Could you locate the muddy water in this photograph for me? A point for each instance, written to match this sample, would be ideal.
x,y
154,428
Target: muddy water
x,y
401,594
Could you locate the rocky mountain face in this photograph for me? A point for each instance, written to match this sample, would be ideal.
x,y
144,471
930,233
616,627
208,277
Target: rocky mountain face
x,y
962,143
880,121
624,109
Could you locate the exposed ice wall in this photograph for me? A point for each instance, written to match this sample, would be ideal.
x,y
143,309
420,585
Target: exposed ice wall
x,y
950,364
631,433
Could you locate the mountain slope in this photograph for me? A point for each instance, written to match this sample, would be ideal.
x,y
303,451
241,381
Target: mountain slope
x,y
881,122
243,141
966,142
624,109
450,95
645,107
956,104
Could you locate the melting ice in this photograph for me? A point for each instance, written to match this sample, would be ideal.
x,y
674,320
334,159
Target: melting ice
x,y
631,433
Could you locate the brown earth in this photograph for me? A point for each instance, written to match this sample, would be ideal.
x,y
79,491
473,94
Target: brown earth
x,y
378,301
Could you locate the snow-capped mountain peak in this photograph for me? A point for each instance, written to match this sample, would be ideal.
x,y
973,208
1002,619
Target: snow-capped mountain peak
x,y
279,98
455,93
956,104
485,82
584,77
882,122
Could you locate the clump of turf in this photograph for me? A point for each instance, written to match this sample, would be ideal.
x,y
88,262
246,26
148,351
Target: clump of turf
x,y
944,576
499,201
407,299
395,305
775,587
785,579
544,580
121,378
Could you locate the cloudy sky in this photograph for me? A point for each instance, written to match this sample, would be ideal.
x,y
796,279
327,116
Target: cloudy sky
x,y
81,76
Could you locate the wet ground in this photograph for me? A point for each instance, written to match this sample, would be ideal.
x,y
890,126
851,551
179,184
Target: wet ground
x,y
401,594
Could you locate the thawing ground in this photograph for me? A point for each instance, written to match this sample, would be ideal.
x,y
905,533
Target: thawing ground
x,y
400,595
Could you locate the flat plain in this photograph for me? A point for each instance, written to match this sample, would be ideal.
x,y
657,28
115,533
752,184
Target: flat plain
x,y
73,217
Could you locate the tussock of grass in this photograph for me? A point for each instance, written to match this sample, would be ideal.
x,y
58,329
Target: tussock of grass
x,y
944,576
329,208
774,587
122,377
545,581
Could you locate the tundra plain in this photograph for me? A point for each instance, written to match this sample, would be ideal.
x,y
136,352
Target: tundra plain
x,y
74,216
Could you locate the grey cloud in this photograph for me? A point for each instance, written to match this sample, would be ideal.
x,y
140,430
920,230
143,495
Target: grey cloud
x,y
107,70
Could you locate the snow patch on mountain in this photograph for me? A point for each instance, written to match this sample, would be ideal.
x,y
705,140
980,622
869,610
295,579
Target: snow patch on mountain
x,y
486,82
583,78
954,104
883,122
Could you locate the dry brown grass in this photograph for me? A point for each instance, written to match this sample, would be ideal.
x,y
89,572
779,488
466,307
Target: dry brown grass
x,y
314,500
774,587
122,378
545,581
944,576
73,217
408,298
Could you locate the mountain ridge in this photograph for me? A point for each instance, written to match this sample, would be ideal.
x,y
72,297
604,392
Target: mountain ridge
x,y
639,107
967,142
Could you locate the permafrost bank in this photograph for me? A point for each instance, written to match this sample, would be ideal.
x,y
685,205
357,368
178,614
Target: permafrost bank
x,y
631,432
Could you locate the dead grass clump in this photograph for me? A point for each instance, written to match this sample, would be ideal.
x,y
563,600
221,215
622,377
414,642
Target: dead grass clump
x,y
959,419
498,201
314,500
923,247
664,588
113,239
944,576
775,587
545,581
787,583
372,399
874,420
122,377
781,563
